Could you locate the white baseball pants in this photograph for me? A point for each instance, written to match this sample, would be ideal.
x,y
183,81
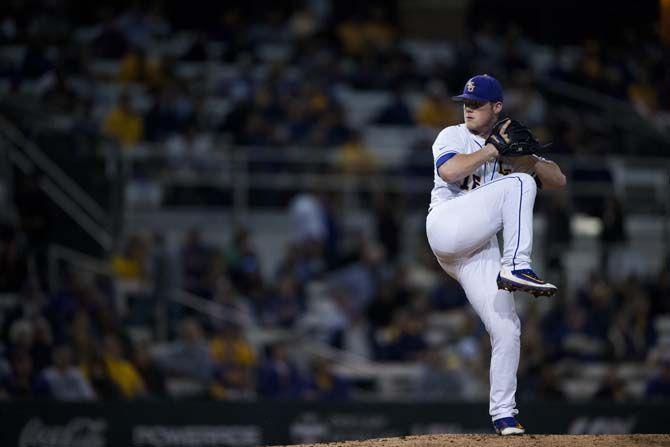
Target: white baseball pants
x,y
462,234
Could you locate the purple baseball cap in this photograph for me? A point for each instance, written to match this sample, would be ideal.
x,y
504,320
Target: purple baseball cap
x,y
482,88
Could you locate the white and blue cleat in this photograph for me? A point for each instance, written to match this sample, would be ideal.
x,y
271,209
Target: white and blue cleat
x,y
524,280
508,426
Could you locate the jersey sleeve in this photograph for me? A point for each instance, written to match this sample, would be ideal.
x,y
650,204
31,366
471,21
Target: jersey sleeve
x,y
447,144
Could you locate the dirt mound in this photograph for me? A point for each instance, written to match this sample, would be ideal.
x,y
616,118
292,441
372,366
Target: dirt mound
x,y
509,441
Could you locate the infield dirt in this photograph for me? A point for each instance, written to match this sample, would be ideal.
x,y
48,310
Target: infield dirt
x,y
509,441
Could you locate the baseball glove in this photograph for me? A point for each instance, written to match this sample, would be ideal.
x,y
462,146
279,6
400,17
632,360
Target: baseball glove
x,y
516,141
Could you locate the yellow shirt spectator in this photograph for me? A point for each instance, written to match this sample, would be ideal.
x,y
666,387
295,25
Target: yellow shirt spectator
x,y
123,124
435,112
643,97
126,268
126,377
354,157
136,67
232,351
130,262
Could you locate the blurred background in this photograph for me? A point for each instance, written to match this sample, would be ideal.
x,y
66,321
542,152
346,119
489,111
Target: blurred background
x,y
222,207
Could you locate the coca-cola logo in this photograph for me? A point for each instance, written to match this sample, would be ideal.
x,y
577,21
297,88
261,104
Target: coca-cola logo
x,y
79,432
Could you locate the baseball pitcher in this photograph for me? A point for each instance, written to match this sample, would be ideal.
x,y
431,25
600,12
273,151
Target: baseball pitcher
x,y
487,172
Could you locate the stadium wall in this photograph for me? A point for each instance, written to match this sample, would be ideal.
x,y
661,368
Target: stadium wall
x,y
195,424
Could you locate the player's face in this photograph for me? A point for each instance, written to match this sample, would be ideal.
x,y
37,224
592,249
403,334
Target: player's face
x,y
479,116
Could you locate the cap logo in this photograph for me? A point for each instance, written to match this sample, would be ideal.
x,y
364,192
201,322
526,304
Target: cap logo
x,y
470,86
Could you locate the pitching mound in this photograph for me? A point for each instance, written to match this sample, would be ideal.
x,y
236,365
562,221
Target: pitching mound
x,y
509,441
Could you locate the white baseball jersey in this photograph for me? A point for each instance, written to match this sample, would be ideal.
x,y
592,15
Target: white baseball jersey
x,y
459,140
463,220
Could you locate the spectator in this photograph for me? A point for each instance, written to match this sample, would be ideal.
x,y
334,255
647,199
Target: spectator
x,y
658,386
381,309
524,102
308,218
66,381
195,261
148,370
120,370
441,378
31,307
235,363
42,341
166,280
190,152
131,264
278,376
122,124
575,339
447,295
330,128
243,262
282,307
234,382
21,336
97,373
229,347
387,214
236,308
613,231
437,110
353,157
362,278
548,386
396,112
136,67
324,384
188,356
161,119
23,382
642,93
611,387
404,338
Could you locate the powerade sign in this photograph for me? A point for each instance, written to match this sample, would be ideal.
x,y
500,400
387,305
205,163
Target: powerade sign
x,y
246,424
196,435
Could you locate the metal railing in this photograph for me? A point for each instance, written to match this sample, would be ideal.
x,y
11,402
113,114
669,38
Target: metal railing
x,y
627,128
62,199
56,184
246,170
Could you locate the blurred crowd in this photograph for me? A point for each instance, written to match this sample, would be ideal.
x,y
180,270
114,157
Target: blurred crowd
x,y
349,290
276,79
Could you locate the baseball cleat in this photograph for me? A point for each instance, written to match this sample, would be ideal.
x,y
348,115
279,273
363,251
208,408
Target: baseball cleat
x,y
525,280
508,426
